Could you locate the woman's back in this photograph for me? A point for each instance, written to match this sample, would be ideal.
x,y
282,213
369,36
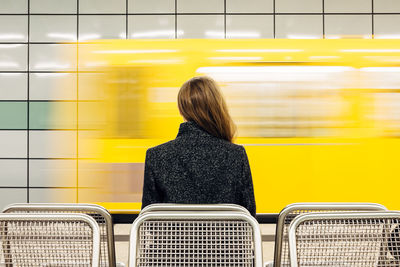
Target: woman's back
x,y
198,168
202,165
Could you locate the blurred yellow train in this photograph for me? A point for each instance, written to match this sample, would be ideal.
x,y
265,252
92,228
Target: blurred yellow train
x,y
320,119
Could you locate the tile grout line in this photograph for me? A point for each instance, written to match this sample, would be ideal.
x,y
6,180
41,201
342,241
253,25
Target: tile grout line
x,y
176,19
373,23
206,13
28,108
224,19
274,18
323,19
77,100
126,21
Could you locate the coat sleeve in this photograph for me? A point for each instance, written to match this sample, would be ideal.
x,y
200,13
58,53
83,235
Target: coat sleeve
x,y
247,190
150,193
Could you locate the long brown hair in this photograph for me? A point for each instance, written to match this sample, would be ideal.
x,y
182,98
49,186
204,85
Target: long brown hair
x,y
201,101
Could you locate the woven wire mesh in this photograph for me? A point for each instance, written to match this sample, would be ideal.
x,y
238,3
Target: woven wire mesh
x,y
195,243
285,261
370,242
45,243
99,218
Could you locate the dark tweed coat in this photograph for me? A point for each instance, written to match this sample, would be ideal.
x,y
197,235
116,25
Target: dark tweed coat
x,y
198,168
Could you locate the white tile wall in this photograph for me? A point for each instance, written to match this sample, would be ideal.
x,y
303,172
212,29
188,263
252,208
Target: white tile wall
x,y
102,27
49,28
249,6
53,6
9,196
200,26
87,63
348,6
57,195
52,144
13,28
151,26
386,6
52,57
13,144
52,86
383,26
151,6
13,172
53,173
13,86
56,21
299,26
13,57
205,6
14,6
348,26
298,6
249,26
102,6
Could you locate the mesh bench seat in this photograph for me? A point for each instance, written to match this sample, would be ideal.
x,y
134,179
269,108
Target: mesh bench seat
x,y
98,213
365,239
201,238
49,240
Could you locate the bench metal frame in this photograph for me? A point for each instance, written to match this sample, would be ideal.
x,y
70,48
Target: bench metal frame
x,y
314,207
194,216
72,208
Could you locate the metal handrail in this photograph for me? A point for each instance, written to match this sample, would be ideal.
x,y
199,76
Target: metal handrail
x,y
193,207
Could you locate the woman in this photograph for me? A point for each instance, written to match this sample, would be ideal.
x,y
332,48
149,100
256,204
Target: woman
x,y
202,165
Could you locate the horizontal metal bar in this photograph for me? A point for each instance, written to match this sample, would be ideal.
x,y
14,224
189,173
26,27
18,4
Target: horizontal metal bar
x,y
262,218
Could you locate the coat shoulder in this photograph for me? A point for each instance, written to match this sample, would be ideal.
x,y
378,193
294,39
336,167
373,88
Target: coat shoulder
x,y
173,147
161,148
235,148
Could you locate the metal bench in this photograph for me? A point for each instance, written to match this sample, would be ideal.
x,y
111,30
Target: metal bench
x,y
200,238
281,253
367,239
98,213
49,240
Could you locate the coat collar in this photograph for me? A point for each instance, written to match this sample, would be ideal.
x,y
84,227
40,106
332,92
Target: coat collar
x,y
191,128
